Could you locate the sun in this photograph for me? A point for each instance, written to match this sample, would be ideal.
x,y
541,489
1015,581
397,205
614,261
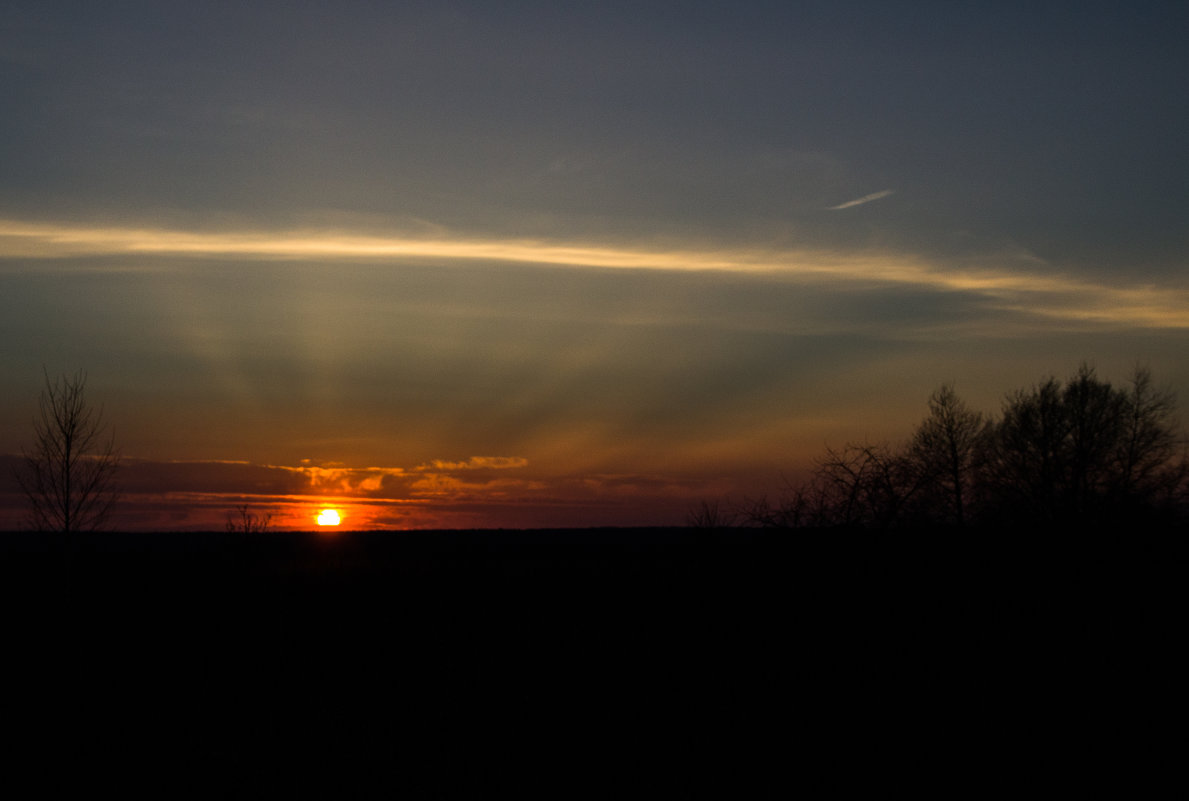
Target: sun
x,y
329,517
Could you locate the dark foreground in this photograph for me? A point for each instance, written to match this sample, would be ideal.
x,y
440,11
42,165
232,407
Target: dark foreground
x,y
657,662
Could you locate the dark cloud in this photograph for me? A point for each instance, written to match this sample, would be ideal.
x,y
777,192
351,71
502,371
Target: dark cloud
x,y
159,478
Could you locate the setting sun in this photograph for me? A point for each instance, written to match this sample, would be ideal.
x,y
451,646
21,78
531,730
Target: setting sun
x,y
329,517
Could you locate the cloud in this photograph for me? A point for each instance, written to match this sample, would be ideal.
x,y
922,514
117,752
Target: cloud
x,y
237,477
1005,281
476,463
860,201
213,477
198,494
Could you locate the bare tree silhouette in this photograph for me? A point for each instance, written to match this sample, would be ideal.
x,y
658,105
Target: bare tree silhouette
x,y
1020,468
1150,464
871,485
859,485
1085,450
69,475
243,520
945,448
711,514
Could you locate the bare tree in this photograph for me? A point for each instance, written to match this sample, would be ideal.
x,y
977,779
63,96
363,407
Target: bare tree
x,y
805,505
868,485
1150,460
243,520
1086,451
945,448
69,475
711,514
1022,469
861,485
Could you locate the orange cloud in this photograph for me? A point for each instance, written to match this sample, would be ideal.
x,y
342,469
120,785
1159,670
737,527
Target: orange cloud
x,y
477,463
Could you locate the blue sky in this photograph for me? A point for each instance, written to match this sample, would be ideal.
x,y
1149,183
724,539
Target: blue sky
x,y
642,253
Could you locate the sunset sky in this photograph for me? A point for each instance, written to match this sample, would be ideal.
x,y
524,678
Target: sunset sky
x,y
478,264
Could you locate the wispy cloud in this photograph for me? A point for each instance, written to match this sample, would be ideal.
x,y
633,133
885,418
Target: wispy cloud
x,y
1008,283
860,201
51,240
477,463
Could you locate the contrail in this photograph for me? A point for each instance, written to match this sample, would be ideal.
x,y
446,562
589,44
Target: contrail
x,y
860,201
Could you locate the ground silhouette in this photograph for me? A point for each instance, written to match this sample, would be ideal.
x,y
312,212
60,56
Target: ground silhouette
x,y
683,661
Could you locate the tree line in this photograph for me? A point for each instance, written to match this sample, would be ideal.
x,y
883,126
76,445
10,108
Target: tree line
x,y
1080,452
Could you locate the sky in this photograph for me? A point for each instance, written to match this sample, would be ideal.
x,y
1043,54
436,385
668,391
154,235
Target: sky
x,y
516,264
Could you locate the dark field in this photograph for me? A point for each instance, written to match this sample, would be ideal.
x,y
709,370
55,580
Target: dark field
x,y
669,662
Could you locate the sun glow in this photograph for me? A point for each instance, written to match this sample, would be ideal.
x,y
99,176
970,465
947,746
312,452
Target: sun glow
x,y
329,517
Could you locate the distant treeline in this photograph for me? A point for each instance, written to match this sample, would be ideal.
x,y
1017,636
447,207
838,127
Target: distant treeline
x,y
1075,453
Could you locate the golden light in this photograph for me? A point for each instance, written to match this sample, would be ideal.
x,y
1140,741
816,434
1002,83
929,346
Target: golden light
x,y
329,517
